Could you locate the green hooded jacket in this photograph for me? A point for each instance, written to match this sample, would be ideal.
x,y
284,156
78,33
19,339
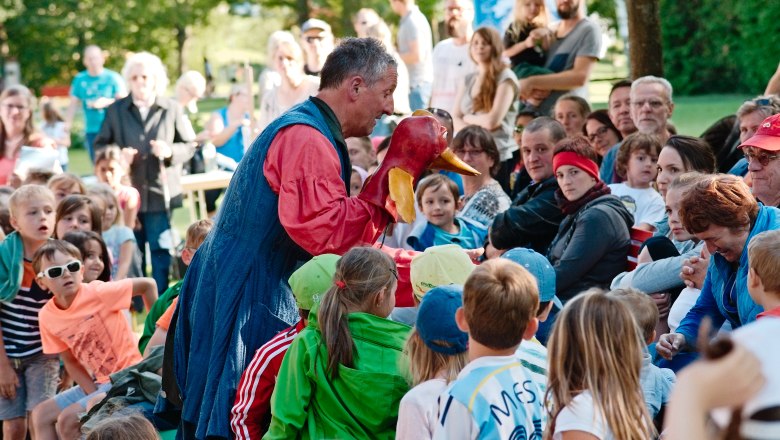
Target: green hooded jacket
x,y
362,402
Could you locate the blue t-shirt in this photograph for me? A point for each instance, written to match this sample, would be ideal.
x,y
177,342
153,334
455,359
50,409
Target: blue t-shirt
x,y
87,88
234,147
469,236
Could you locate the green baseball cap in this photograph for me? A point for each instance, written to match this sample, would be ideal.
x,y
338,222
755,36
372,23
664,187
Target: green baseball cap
x,y
439,266
313,279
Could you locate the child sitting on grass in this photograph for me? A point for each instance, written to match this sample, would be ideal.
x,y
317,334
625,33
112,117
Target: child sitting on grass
x,y
85,325
494,395
341,376
656,382
438,198
251,414
437,353
637,159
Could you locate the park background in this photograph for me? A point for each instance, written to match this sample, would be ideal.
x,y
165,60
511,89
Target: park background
x,y
716,53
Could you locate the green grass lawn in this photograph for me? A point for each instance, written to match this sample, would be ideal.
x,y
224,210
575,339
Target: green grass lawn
x,y
692,115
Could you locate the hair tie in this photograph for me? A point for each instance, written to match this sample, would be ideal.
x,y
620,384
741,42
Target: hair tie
x,y
340,284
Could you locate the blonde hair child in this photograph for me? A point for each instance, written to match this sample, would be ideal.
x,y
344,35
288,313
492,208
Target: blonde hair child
x,y
437,351
119,239
341,377
595,354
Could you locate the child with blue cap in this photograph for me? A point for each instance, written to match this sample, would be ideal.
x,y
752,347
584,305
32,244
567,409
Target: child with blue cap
x,y
437,351
532,354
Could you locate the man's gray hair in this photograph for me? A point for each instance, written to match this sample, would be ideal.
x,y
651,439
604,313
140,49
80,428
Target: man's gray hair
x,y
553,127
765,105
154,66
650,79
364,57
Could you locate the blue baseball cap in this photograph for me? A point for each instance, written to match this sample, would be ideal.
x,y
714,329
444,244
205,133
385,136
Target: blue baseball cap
x,y
436,320
540,268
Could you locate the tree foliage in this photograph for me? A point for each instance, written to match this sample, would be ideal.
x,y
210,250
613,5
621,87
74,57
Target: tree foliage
x,y
716,46
48,38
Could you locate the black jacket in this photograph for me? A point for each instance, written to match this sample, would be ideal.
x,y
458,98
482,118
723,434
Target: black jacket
x,y
167,122
591,247
532,220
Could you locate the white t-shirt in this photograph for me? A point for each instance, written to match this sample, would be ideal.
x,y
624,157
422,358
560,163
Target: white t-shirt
x,y
451,64
646,204
681,307
419,410
761,338
580,415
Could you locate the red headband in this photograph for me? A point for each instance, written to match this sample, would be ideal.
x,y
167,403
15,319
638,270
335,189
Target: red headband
x,y
576,160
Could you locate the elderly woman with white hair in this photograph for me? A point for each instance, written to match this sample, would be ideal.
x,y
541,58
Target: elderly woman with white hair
x,y
158,138
296,85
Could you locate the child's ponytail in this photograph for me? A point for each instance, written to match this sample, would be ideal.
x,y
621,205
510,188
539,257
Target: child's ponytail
x,y
361,272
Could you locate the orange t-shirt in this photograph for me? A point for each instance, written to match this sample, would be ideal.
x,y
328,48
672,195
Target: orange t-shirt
x,y
94,328
164,321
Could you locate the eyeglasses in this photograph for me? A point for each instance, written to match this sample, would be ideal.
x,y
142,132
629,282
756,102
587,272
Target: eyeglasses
x,y
313,39
439,112
57,271
654,103
519,129
601,131
762,157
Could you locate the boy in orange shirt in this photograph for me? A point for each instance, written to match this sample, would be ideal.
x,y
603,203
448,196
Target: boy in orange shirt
x,y
85,325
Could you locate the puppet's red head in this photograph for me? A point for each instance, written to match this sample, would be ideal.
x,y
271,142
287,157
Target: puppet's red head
x,y
419,142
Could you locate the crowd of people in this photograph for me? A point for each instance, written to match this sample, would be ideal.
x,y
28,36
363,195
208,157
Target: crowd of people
x,y
508,263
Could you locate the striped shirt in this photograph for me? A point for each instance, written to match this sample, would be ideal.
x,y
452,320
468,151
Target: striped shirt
x,y
250,416
19,317
533,356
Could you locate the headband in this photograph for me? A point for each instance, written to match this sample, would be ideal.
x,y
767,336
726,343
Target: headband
x,y
576,160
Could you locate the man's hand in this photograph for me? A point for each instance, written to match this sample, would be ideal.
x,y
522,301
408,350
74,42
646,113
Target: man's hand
x,y
101,103
669,345
128,154
664,303
161,149
9,381
694,269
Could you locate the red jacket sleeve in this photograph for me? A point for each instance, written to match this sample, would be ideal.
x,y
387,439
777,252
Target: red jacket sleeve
x,y
303,168
253,395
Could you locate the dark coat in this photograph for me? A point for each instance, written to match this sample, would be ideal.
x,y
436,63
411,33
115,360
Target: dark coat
x,y
167,122
591,247
532,221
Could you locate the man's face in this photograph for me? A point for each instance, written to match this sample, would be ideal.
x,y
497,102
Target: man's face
x,y
650,108
567,8
766,178
537,151
358,155
748,125
620,110
93,58
318,43
458,14
373,102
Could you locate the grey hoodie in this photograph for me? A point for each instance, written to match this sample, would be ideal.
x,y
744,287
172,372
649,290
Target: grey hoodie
x,y
591,246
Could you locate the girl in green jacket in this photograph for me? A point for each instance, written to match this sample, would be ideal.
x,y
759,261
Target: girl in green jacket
x,y
344,375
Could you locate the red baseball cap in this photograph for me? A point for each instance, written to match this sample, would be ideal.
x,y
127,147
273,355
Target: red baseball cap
x,y
767,136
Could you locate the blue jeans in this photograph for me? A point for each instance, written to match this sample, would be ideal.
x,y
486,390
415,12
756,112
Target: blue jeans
x,y
89,141
156,230
419,96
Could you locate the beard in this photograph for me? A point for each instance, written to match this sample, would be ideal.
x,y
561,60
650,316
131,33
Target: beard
x,y
570,13
454,28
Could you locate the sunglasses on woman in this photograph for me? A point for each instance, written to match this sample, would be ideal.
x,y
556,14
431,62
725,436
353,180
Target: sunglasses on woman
x,y
57,271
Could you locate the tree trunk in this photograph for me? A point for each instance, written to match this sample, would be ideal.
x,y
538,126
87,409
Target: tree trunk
x,y
181,41
644,38
304,10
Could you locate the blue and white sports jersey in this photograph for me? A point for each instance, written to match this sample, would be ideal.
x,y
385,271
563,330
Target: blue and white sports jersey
x,y
494,397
